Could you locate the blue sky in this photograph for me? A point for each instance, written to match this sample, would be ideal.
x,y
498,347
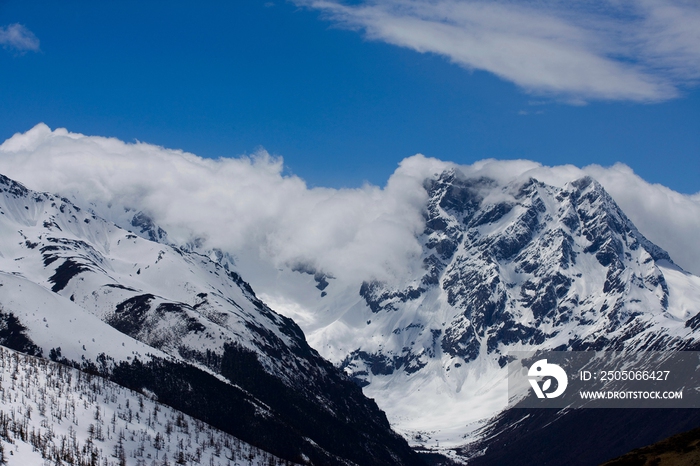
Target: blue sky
x,y
344,92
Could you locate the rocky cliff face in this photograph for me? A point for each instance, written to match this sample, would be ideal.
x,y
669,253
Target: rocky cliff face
x,y
519,266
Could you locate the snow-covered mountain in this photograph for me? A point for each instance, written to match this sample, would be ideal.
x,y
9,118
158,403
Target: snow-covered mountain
x,y
505,266
525,265
178,326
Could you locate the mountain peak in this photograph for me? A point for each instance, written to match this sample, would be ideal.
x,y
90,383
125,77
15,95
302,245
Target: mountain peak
x,y
508,266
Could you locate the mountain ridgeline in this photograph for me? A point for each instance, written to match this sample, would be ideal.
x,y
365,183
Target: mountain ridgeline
x,y
180,328
525,265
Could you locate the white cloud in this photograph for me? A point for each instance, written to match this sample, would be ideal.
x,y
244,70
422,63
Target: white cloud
x,y
19,38
664,216
237,204
577,51
246,205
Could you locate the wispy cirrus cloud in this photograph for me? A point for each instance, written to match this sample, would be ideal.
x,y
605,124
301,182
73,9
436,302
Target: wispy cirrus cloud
x,y
581,50
18,38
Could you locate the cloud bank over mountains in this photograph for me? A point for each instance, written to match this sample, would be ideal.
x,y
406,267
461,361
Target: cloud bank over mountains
x,y
635,50
247,204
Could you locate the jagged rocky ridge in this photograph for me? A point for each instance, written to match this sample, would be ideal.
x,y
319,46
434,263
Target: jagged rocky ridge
x,y
179,326
516,265
507,266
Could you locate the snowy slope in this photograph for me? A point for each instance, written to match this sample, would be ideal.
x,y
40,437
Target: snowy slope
x,y
52,413
157,318
54,322
184,301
